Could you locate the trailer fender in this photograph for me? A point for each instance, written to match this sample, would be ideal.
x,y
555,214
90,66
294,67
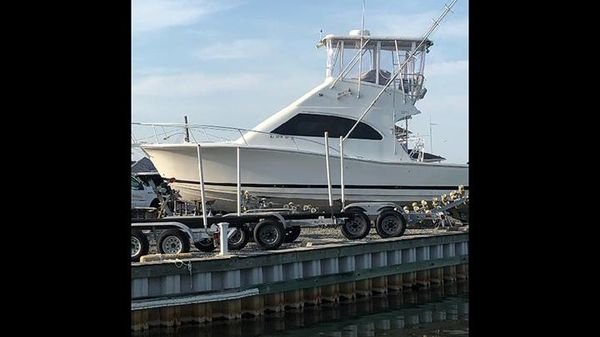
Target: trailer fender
x,y
185,229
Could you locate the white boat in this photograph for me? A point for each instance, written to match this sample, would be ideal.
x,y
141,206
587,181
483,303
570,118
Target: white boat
x,y
282,158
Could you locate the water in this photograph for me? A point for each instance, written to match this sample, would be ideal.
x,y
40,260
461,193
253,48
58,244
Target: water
x,y
437,311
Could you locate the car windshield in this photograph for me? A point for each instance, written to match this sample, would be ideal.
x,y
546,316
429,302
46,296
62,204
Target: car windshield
x,y
135,184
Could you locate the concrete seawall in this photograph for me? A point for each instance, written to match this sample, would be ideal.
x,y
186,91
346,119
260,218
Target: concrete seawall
x,y
197,290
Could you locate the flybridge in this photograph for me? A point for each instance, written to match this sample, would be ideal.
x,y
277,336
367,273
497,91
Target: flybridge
x,y
407,68
386,42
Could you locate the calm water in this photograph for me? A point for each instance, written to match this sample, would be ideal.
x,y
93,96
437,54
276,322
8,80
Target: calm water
x,y
438,311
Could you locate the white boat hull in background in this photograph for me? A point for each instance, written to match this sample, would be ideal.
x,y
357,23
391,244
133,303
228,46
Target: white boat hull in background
x,y
286,175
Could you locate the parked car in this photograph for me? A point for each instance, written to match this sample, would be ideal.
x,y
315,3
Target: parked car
x,y
142,195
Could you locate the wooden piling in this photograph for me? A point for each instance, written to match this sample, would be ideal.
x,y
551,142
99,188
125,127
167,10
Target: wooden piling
x,y
379,285
253,306
364,288
423,278
347,291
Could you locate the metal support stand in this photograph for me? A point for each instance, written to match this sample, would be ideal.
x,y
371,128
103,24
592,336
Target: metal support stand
x,y
328,171
239,183
223,235
342,171
202,197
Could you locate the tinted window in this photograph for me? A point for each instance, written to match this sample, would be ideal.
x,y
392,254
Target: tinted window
x,y
315,126
135,185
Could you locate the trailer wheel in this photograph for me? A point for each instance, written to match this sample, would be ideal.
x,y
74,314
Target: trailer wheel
x,y
155,203
238,239
390,224
291,234
357,226
205,245
139,245
269,234
173,241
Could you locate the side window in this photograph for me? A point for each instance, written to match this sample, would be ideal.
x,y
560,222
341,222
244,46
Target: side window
x,y
313,125
136,185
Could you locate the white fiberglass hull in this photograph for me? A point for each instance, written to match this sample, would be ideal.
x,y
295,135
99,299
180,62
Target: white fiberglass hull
x,y
284,175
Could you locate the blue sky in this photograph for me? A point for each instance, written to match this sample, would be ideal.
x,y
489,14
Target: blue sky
x,y
236,62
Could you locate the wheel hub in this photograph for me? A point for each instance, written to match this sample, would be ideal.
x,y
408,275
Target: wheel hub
x,y
390,224
355,226
269,234
136,246
236,237
172,245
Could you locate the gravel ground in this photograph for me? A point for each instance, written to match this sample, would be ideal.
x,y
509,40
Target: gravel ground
x,y
319,236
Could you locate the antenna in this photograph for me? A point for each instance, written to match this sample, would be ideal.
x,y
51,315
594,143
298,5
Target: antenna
x,y
362,32
362,25
435,24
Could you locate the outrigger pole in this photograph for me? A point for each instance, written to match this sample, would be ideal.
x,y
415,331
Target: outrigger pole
x,y
436,23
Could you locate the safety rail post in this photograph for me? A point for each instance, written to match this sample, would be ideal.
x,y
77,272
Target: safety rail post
x,y
187,130
155,135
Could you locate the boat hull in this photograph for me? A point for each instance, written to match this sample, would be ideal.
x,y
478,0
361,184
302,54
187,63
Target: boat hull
x,y
284,175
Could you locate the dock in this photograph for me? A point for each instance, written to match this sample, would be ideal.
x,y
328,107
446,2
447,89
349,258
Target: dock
x,y
195,290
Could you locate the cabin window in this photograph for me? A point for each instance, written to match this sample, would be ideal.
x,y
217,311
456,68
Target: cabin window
x,y
312,125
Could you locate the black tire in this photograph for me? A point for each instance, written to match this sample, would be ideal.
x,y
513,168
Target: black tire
x,y
173,241
390,223
357,226
205,245
291,234
239,239
139,245
269,234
